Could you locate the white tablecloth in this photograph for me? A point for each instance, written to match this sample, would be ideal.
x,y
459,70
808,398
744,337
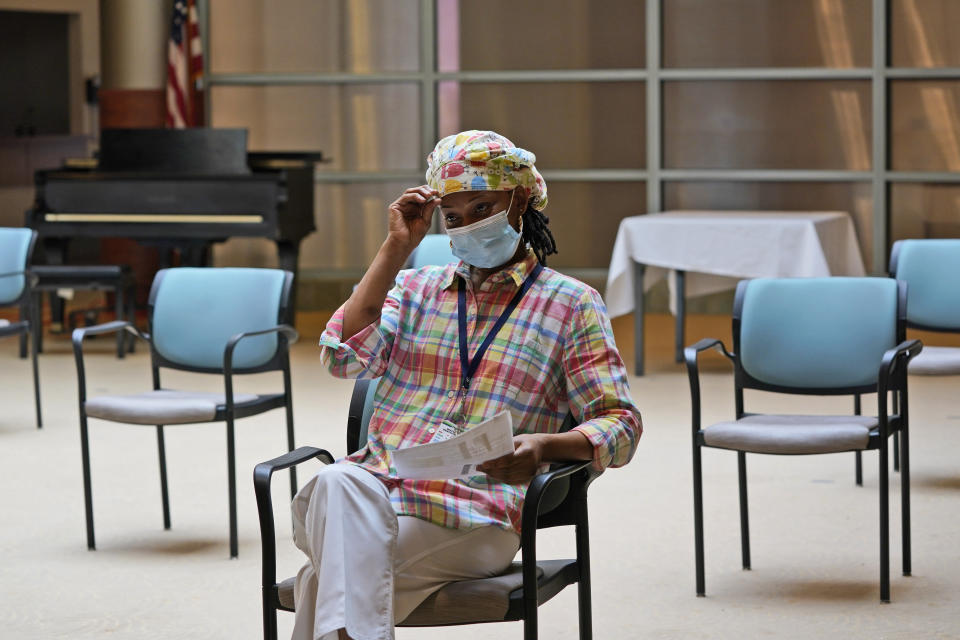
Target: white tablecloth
x,y
717,248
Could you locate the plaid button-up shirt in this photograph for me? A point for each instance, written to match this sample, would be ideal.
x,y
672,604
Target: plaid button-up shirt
x,y
555,355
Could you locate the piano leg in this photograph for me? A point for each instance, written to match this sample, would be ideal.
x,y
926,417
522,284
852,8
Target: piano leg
x,y
288,256
55,252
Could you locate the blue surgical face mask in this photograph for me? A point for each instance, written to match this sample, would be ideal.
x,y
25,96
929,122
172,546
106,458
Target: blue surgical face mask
x,y
487,243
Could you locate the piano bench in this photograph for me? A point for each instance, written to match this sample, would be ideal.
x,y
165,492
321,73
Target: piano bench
x,y
114,278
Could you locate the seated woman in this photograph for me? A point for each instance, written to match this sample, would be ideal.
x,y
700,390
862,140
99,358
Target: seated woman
x,y
455,345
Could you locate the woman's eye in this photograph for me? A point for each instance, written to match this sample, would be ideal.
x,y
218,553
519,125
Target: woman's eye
x,y
483,207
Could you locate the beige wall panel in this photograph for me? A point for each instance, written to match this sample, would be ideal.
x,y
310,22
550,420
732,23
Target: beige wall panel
x,y
782,124
561,34
923,33
924,211
351,225
293,36
567,125
359,127
585,216
766,33
852,197
925,125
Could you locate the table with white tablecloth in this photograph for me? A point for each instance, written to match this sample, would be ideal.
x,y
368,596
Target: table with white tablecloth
x,y
709,251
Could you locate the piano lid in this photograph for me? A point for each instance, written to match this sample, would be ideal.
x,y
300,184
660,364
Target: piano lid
x,y
197,151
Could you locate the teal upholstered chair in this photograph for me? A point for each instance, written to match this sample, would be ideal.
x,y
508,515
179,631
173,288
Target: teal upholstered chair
x,y
814,336
555,497
931,268
433,249
16,248
214,321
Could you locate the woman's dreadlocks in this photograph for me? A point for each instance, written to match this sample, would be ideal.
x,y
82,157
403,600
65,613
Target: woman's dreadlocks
x,y
536,233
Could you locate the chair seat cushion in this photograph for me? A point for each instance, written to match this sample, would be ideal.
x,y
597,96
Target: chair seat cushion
x,y
462,602
936,361
791,434
161,407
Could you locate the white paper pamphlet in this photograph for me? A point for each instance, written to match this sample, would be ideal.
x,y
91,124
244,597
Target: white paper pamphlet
x,y
458,455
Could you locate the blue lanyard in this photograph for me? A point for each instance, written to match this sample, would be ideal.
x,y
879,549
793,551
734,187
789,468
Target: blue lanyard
x,y
468,365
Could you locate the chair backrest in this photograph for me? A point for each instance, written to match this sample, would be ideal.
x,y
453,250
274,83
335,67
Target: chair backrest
x,y
434,249
195,311
930,268
16,246
810,335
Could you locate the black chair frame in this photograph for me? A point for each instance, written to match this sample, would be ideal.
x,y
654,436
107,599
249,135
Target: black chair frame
x,y
892,378
229,412
556,497
28,326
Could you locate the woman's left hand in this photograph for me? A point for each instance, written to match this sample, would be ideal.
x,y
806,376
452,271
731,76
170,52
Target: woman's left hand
x,y
520,466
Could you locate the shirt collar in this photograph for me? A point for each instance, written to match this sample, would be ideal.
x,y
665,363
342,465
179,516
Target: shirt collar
x,y
516,272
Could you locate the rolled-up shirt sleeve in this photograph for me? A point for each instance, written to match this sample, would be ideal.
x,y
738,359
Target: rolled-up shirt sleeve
x,y
597,386
366,353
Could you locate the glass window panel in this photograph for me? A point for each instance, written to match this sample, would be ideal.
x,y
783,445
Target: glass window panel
x,y
923,33
293,36
924,210
359,127
353,219
584,217
853,197
767,33
581,125
561,34
754,124
925,125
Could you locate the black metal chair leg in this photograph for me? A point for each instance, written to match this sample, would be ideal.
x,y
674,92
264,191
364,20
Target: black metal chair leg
x,y
858,470
269,617
896,434
884,527
905,492
698,520
118,308
35,328
530,631
583,585
288,392
638,304
744,519
87,493
679,335
131,317
24,315
164,492
232,488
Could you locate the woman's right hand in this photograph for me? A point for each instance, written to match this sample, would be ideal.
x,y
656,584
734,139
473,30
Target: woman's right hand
x,y
410,216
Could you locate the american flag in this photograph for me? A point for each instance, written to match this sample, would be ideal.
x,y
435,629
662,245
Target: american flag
x,y
184,68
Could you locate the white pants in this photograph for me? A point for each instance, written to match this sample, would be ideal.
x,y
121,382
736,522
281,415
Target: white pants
x,y
368,568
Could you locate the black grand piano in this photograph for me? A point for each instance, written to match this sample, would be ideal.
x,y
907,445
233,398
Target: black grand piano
x,y
177,189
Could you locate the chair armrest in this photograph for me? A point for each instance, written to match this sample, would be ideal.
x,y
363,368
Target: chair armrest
x,y
690,355
531,511
81,333
893,369
283,329
262,475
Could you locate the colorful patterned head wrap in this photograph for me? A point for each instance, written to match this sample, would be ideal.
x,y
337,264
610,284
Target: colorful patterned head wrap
x,y
484,161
